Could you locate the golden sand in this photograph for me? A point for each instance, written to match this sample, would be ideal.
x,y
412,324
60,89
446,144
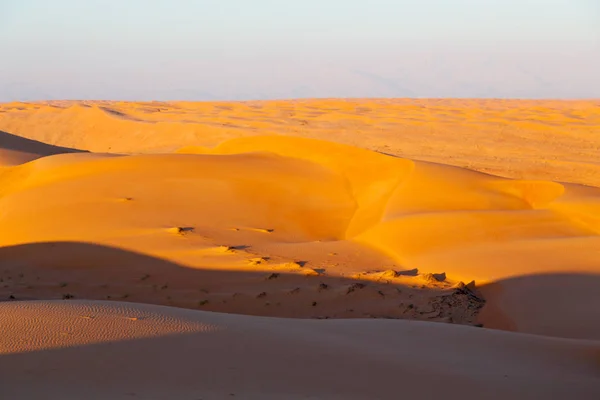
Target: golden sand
x,y
306,209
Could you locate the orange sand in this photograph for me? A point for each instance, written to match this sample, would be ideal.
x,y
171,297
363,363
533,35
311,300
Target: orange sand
x,y
264,209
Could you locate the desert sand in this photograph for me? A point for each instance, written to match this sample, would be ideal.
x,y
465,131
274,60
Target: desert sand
x,y
300,249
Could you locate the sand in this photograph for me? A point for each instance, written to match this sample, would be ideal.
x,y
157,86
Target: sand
x,y
111,350
244,235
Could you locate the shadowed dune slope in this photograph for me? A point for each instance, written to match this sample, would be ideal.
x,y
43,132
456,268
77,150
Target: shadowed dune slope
x,y
159,352
16,150
554,304
230,279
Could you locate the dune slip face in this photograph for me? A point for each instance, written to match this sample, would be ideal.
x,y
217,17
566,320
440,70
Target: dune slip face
x,y
309,211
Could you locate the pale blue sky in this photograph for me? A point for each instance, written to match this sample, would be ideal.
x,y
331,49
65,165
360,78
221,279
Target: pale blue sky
x,y
256,49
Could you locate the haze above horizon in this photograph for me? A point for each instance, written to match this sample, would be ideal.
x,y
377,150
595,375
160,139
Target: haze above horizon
x,y
272,49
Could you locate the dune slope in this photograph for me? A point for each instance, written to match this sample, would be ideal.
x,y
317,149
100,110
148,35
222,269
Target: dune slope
x,y
154,352
15,150
277,204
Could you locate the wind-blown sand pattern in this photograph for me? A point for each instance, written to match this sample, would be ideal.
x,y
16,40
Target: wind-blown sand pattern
x,y
111,350
301,210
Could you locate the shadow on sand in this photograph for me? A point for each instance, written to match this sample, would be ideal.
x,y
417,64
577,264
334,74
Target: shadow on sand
x,y
276,360
9,141
563,305
557,304
74,270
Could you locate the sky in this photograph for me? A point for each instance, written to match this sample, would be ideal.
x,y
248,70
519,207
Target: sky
x,y
276,49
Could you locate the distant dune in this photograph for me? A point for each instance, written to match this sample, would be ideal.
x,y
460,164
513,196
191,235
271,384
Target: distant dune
x,y
524,139
477,213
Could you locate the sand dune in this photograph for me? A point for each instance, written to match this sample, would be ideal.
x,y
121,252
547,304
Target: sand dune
x,y
295,201
15,150
540,140
101,350
292,209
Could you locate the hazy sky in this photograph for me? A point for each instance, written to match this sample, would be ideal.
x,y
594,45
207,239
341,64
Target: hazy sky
x,y
257,49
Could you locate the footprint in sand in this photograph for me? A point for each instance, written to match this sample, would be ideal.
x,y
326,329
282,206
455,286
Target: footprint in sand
x,y
354,287
439,277
410,272
258,260
232,249
181,230
261,230
313,272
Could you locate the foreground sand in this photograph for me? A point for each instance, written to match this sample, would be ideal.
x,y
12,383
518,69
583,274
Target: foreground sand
x,y
109,350
169,204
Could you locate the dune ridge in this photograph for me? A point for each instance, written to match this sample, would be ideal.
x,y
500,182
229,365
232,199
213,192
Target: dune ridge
x,y
17,150
535,139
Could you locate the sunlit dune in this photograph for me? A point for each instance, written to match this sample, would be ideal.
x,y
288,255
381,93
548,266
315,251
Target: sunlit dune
x,y
524,139
464,212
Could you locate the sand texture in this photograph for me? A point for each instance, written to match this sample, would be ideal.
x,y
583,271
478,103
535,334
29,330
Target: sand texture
x,y
364,249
